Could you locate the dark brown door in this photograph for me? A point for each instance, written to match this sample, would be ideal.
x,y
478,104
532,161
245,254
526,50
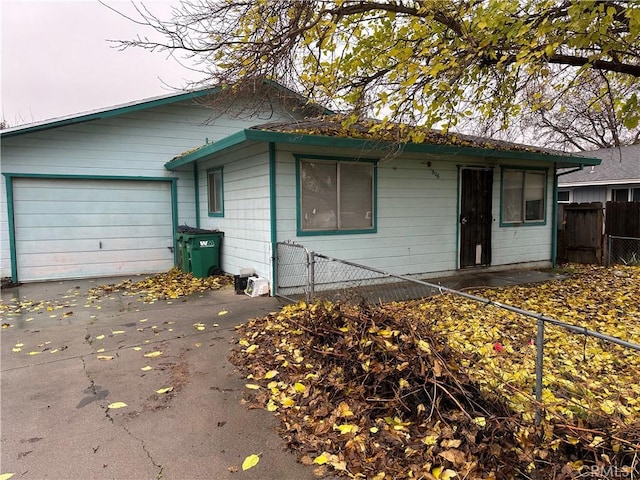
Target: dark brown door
x,y
475,217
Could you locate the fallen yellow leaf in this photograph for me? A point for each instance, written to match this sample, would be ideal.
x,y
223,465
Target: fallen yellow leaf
x,y
157,353
99,337
117,405
270,374
6,476
222,312
104,358
117,332
252,386
146,369
250,462
165,390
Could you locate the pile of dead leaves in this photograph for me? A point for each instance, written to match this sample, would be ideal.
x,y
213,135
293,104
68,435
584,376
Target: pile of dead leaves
x,y
444,388
170,285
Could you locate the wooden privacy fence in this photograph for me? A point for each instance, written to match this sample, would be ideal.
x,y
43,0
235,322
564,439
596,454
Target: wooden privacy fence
x,y
623,219
584,227
582,239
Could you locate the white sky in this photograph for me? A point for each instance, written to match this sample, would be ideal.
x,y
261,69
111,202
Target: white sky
x,y
56,59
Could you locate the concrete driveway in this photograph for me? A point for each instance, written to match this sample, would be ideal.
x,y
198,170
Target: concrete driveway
x,y
56,390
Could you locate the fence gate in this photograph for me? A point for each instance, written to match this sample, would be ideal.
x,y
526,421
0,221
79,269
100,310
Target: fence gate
x,y
583,237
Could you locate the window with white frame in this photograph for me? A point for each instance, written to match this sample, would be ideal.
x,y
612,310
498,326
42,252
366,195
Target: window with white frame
x,y
215,192
336,196
523,196
564,196
625,194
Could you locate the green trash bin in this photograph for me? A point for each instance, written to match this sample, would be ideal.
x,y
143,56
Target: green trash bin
x,y
203,253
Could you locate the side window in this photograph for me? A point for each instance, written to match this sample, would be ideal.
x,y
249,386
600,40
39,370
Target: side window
x,y
564,196
620,194
523,196
215,192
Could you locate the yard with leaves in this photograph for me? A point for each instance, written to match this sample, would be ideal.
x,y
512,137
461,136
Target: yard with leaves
x,y
445,387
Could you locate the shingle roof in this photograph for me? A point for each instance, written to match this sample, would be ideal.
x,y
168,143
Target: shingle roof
x,y
367,129
618,165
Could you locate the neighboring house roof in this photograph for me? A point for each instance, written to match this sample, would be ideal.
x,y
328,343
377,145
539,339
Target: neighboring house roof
x,y
620,165
330,131
144,104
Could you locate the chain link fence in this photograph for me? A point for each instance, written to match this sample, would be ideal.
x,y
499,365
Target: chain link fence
x,y
623,250
306,275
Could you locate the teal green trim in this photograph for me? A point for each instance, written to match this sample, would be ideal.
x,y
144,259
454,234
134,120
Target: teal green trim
x,y
174,218
107,113
88,177
273,217
373,146
215,171
523,223
10,205
458,200
196,192
12,228
307,233
206,150
554,219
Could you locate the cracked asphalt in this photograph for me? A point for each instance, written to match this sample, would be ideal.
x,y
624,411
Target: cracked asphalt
x,y
68,356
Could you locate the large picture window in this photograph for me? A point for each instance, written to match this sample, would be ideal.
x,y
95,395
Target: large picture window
x,y
523,196
215,192
336,196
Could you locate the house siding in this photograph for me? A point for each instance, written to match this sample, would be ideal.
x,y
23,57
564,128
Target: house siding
x,y
135,144
247,221
417,216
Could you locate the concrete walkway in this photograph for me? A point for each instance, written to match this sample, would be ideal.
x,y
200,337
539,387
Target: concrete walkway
x,y
55,419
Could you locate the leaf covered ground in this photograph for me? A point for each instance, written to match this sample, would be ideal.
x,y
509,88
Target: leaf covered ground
x,y
169,285
444,388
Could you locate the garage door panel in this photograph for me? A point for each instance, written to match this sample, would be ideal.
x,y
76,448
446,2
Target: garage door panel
x,y
116,206
91,233
95,245
89,220
68,228
95,258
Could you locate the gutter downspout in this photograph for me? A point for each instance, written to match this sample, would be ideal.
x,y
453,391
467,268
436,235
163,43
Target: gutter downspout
x,y
273,217
196,190
554,228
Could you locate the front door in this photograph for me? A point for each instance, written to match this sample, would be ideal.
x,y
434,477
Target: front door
x,y
475,217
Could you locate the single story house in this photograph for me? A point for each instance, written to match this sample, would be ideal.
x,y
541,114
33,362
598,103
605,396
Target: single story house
x,y
102,194
617,178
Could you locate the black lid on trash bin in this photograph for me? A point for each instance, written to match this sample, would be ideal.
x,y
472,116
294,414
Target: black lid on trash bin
x,y
193,230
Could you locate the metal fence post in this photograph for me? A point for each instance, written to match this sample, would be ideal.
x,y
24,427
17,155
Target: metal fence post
x,y
609,242
539,366
312,275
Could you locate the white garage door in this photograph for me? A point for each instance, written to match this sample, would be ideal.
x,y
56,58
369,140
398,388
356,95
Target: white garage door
x,y
72,228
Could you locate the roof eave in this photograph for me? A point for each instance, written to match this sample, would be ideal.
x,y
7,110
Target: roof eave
x,y
105,113
256,135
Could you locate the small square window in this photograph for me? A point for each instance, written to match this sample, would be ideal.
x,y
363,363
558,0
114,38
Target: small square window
x,y
636,195
620,194
215,192
564,196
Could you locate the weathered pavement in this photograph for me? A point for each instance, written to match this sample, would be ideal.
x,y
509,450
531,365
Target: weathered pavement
x,y
55,419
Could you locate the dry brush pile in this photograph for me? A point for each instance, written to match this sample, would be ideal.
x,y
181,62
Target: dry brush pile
x,y
444,388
